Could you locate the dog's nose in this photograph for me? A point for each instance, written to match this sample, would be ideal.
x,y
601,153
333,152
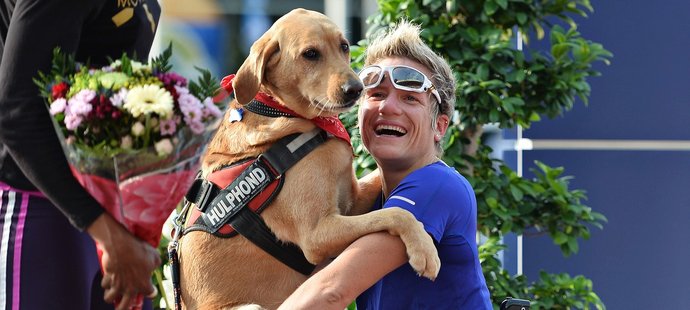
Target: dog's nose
x,y
352,90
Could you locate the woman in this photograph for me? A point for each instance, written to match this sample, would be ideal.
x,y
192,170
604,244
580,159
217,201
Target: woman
x,y
409,100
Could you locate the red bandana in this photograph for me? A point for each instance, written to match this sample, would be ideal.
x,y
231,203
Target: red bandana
x,y
331,124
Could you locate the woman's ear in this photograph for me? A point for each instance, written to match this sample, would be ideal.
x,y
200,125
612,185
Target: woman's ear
x,y
441,127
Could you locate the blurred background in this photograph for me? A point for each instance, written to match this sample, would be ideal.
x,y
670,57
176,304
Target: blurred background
x,y
629,149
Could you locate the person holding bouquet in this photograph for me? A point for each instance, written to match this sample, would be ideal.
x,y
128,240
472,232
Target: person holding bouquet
x,y
48,221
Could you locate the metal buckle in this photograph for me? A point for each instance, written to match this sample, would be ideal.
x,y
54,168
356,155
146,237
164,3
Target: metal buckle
x,y
203,193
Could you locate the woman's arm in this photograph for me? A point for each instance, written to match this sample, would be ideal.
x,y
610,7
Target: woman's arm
x,y
363,263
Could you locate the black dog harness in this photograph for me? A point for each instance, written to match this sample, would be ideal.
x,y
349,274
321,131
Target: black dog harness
x,y
230,200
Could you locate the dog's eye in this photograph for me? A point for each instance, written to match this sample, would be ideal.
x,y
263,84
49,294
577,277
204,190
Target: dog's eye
x,y
311,54
345,47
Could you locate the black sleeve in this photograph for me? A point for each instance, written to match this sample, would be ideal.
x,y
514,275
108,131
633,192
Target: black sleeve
x,y
26,130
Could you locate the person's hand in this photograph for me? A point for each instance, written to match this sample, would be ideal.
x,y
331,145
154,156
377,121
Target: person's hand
x,y
127,262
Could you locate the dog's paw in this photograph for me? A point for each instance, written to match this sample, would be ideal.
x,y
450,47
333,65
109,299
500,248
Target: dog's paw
x,y
423,255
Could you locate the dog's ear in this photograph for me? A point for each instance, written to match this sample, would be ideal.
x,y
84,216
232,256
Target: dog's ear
x,y
251,73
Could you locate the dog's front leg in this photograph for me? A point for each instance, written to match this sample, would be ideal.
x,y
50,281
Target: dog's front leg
x,y
366,190
333,233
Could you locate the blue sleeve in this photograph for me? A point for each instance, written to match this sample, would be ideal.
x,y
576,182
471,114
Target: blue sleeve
x,y
438,197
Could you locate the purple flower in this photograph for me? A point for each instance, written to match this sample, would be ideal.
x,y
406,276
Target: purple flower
x,y
172,78
191,108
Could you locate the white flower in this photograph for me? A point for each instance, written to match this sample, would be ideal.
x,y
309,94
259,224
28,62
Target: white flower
x,y
137,66
118,98
164,147
149,99
138,129
126,142
115,64
58,106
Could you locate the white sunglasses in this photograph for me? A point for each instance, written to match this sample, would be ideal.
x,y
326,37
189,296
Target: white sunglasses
x,y
403,78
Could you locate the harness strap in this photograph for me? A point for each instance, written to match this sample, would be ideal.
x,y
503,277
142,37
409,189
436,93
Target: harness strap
x,y
287,152
251,226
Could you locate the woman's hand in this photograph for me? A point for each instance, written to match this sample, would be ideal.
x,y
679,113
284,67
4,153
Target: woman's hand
x,y
127,262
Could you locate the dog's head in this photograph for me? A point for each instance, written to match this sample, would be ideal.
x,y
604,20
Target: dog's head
x,y
303,61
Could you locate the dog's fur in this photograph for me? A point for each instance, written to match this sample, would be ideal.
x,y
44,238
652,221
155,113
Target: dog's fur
x,y
219,273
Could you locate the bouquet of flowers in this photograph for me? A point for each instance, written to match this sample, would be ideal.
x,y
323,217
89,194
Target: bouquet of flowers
x,y
132,133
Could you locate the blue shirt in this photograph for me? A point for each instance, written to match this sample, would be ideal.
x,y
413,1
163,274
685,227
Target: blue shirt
x,y
444,201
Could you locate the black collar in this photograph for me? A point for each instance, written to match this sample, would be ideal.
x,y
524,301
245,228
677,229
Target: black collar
x,y
258,107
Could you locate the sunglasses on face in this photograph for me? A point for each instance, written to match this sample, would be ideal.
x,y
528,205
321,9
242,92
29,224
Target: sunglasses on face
x,y
402,77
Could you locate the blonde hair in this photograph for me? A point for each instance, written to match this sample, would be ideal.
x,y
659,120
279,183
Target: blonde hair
x,y
403,40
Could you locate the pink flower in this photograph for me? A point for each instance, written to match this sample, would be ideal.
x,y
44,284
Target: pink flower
x,y
80,104
168,126
181,90
211,109
72,121
197,127
191,108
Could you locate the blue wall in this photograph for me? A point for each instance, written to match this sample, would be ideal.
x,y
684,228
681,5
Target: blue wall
x,y
641,259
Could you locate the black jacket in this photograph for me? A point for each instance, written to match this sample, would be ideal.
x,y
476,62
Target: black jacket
x,y
30,154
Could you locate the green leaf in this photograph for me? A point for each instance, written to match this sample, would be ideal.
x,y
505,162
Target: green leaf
x,y
521,18
516,101
560,238
516,76
573,246
502,3
483,71
557,36
494,116
559,50
161,63
516,192
490,7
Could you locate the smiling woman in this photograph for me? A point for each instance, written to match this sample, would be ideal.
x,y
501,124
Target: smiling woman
x,y
403,116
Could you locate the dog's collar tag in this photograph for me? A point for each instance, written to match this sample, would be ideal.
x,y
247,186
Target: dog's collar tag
x,y
236,115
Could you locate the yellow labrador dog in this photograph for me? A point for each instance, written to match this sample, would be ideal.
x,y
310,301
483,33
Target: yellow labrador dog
x,y
302,63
